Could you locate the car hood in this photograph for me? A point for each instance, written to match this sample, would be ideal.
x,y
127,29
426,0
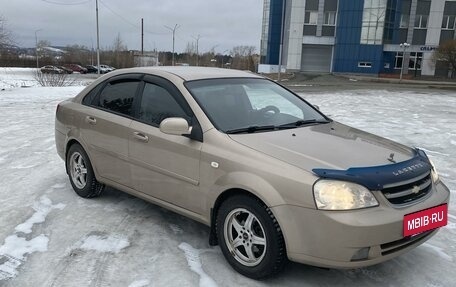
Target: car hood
x,y
332,145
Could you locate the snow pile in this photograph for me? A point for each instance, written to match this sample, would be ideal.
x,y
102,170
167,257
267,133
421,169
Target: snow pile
x,y
43,207
13,252
112,243
194,262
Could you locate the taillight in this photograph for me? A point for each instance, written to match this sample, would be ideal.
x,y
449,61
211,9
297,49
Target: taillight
x,y
57,109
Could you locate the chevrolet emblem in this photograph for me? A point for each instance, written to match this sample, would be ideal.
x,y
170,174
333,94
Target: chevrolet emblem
x,y
415,189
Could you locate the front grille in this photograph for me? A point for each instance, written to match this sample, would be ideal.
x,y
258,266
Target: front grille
x,y
410,191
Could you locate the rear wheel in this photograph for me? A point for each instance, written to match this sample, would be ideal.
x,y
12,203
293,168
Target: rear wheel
x,y
250,237
81,173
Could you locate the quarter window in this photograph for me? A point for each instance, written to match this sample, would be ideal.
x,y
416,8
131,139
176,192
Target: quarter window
x,y
158,104
118,96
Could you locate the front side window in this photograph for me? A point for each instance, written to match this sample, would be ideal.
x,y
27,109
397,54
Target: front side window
x,y
118,96
251,104
158,104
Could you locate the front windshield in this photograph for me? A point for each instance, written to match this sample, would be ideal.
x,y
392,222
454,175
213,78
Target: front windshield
x,y
250,105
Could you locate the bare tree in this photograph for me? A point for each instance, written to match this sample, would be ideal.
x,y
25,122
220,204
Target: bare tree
x,y
53,80
190,52
446,53
243,57
120,53
5,34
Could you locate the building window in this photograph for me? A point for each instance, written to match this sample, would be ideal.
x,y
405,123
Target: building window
x,y
373,22
414,61
421,21
404,21
330,18
448,22
398,61
311,17
365,64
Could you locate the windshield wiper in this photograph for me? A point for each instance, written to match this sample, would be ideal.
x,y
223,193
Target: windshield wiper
x,y
251,129
302,123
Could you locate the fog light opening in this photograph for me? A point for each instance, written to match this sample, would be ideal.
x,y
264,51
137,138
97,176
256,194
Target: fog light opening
x,y
361,254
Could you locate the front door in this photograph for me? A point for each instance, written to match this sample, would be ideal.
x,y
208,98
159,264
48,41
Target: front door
x,y
164,166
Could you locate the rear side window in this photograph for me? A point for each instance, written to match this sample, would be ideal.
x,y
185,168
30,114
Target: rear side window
x,y
158,104
118,96
90,97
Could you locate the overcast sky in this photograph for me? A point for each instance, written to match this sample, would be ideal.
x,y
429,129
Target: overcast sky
x,y
221,23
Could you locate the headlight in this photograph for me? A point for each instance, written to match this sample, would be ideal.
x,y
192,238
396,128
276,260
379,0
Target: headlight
x,y
434,174
342,195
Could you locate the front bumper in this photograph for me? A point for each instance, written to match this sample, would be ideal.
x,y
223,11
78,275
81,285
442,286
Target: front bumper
x,y
352,239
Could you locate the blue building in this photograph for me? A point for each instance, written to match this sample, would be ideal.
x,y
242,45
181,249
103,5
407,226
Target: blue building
x,y
356,36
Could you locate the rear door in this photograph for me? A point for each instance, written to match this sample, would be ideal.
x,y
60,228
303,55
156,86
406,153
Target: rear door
x,y
164,166
105,126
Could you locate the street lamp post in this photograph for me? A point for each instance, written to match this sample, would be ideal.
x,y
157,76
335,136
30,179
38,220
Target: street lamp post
x,y
36,47
404,46
98,40
174,32
281,40
197,51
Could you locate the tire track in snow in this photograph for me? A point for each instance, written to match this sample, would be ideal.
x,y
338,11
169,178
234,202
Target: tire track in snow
x,y
98,247
15,249
194,262
439,251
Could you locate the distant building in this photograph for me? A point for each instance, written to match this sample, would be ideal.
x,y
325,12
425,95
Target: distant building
x,y
356,36
145,59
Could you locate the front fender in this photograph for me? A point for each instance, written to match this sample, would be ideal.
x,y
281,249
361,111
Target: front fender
x,y
241,180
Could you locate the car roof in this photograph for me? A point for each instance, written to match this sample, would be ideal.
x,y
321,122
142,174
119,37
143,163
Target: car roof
x,y
193,73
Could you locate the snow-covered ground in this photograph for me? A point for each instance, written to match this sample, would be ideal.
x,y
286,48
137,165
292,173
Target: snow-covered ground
x,y
51,237
25,77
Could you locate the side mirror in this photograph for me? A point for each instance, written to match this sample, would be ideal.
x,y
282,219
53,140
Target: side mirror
x,y
317,107
175,126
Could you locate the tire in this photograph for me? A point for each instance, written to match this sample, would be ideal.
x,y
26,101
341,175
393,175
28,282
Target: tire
x,y
250,237
81,173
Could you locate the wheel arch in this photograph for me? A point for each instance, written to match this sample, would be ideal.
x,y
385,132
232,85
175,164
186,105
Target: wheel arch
x,y
222,197
71,141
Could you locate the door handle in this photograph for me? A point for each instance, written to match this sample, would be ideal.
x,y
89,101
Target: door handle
x,y
91,120
141,136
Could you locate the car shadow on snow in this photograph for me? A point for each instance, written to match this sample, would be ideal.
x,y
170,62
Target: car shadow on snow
x,y
400,271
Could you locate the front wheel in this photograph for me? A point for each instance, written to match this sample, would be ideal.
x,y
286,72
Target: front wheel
x,y
250,237
81,173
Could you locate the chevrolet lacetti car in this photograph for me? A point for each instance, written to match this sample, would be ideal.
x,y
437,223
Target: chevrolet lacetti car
x,y
273,177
